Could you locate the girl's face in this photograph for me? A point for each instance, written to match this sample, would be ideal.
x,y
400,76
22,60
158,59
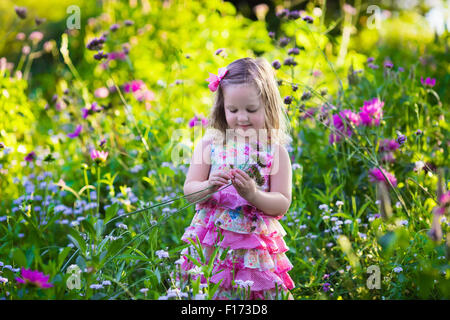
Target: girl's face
x,y
243,108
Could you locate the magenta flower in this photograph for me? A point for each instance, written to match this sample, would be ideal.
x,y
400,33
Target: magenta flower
x,y
34,278
428,82
133,86
372,112
193,122
445,199
119,55
86,112
196,120
444,203
139,90
338,122
376,175
388,145
30,157
99,156
76,133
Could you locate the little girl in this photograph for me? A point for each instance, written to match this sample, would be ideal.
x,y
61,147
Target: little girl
x,y
245,174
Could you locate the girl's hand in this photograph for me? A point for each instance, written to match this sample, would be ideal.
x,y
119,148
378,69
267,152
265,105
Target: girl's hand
x,y
245,186
218,179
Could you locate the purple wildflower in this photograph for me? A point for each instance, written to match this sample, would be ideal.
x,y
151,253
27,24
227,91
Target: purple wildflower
x,y
428,82
293,15
276,64
114,27
401,139
30,157
294,51
39,21
308,19
100,55
284,41
388,145
34,278
76,133
21,12
282,13
290,61
326,287
388,64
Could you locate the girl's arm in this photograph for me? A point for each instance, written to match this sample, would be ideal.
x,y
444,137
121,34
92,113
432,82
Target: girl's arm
x,y
277,201
197,176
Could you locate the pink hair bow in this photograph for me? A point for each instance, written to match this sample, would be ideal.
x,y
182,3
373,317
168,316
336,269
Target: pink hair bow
x,y
214,80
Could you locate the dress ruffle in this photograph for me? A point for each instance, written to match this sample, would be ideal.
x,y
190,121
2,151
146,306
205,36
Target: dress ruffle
x,y
256,245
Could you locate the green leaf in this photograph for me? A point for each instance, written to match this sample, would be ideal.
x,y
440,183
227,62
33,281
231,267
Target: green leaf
x,y
119,272
158,275
111,212
19,257
194,261
77,240
62,256
88,226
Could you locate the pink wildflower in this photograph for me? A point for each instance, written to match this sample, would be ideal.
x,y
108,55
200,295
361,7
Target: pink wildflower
x,y
133,86
36,36
372,112
193,122
388,145
376,175
101,92
444,203
34,278
99,156
338,122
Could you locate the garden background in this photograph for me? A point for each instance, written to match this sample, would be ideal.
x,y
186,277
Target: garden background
x,y
94,95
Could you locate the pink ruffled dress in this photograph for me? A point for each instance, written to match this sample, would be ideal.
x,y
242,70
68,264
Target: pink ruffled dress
x,y
255,240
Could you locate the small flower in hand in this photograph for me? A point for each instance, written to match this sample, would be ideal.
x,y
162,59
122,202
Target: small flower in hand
x,y
245,186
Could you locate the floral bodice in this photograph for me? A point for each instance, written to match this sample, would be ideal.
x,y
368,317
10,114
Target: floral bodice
x,y
253,158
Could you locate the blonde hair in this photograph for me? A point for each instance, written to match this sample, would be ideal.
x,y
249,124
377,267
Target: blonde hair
x,y
260,73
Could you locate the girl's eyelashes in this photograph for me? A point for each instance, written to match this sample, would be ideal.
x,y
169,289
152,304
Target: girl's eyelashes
x,y
251,111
